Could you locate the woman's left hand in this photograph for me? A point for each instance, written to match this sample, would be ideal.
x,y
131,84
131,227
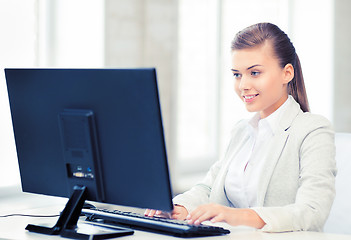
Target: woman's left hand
x,y
218,213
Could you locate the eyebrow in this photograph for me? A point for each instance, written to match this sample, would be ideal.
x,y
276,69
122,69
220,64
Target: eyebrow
x,y
256,65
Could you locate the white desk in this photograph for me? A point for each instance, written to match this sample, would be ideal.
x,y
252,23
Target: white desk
x,y
14,227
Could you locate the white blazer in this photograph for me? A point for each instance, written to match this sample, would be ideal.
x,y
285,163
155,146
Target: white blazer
x,y
297,187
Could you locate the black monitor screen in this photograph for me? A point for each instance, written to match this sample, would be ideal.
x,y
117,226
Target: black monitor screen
x,y
100,128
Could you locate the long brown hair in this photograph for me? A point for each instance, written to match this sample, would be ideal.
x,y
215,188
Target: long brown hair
x,y
284,50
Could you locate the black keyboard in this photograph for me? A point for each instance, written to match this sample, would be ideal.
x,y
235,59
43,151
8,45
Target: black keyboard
x,y
154,224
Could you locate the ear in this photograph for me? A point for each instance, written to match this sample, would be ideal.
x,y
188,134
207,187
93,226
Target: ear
x,y
288,73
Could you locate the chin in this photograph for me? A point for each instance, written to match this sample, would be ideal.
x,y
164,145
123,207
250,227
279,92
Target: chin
x,y
252,109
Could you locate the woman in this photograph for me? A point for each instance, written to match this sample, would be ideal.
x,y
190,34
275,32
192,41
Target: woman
x,y
279,170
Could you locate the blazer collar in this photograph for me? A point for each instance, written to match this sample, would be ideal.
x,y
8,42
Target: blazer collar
x,y
289,115
281,119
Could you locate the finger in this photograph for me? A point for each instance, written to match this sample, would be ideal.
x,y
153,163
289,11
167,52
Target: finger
x,y
204,213
163,214
194,215
218,218
151,213
205,216
147,211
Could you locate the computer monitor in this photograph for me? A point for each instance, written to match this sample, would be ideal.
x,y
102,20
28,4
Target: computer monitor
x,y
90,134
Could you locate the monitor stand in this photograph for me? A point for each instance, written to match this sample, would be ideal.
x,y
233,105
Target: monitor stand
x,y
66,225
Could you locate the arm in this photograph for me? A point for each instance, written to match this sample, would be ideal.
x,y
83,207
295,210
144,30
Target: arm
x,y
196,196
314,196
316,181
199,194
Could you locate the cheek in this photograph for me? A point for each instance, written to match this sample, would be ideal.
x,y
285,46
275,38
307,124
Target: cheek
x,y
269,85
236,87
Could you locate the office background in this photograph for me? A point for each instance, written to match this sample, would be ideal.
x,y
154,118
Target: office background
x,y
188,41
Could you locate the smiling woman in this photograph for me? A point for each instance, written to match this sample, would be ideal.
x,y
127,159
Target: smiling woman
x,y
277,59
263,86
263,83
268,176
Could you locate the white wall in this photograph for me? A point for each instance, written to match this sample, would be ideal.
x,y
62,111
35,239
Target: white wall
x,y
342,65
143,33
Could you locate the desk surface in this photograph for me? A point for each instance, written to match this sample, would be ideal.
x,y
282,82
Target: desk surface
x,y
14,227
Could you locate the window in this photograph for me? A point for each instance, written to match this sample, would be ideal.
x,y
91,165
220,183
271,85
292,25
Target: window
x,y
40,33
17,48
197,118
70,33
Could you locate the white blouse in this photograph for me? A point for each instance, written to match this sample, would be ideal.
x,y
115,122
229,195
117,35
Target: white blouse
x,y
245,168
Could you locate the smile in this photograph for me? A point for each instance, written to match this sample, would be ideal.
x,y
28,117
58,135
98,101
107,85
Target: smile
x,y
250,98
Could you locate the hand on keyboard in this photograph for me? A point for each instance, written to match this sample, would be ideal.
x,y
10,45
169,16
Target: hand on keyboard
x,y
179,213
139,221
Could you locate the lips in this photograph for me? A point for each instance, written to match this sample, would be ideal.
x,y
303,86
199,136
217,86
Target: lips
x,y
250,97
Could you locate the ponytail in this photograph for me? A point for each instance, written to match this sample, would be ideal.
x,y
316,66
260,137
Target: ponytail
x,y
296,87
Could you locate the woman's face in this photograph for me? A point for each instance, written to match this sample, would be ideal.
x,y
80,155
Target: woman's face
x,y
260,82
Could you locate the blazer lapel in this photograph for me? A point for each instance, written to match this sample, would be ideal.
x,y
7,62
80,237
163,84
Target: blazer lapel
x,y
277,146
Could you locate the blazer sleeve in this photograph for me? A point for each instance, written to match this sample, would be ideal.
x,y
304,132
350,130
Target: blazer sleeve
x,y
316,191
200,193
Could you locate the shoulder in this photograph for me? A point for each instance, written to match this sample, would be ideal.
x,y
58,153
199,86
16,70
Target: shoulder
x,y
308,122
312,131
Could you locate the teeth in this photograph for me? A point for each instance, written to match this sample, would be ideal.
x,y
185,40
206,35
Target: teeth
x,y
250,97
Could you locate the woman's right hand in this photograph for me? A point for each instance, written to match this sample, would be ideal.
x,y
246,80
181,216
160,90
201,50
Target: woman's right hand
x,y
179,212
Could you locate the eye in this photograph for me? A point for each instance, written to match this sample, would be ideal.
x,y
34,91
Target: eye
x,y
237,75
255,73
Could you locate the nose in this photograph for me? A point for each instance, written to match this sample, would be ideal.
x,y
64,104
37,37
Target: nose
x,y
244,83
